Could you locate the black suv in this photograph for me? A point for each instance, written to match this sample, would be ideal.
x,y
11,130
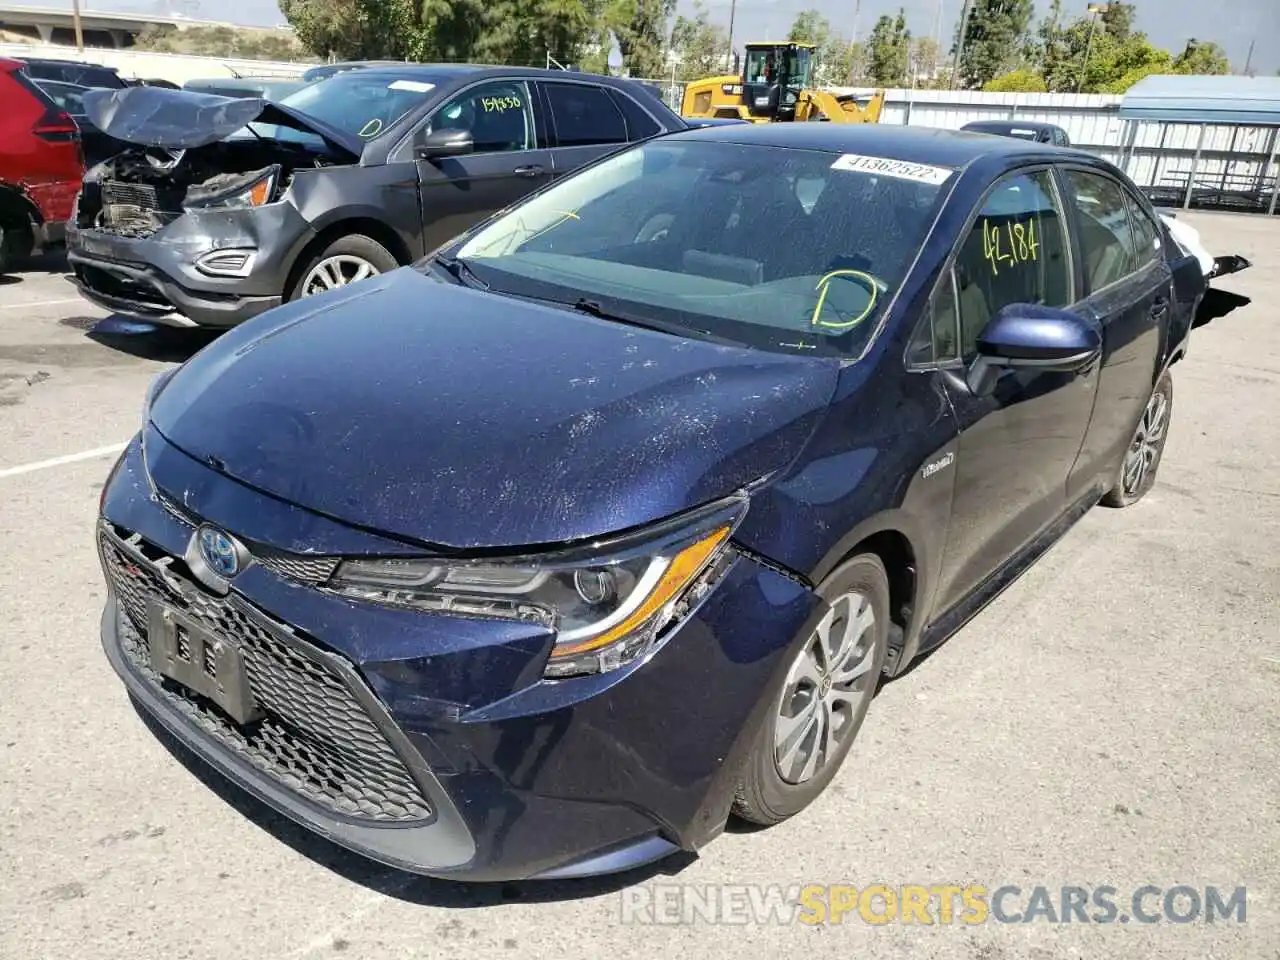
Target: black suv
x,y
225,208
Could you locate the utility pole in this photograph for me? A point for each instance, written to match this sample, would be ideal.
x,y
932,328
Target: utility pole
x,y
964,27
1095,11
75,18
733,9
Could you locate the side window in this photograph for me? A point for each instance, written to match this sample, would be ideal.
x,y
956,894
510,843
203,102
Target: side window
x,y
1106,237
1016,252
937,339
639,124
1060,138
1146,232
498,114
584,115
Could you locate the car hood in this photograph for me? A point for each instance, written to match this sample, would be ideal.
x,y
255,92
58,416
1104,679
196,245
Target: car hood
x,y
460,419
184,119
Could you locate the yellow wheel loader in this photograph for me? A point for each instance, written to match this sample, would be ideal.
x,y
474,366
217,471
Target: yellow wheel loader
x,y
775,87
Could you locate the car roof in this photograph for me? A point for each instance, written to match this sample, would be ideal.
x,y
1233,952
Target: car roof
x,y
448,71
946,148
59,62
1037,125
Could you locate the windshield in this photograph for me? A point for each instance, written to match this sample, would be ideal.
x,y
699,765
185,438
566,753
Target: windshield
x,y
789,250
358,102
764,63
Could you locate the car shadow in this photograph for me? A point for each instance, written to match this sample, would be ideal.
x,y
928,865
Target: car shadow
x,y
138,338
1216,304
388,881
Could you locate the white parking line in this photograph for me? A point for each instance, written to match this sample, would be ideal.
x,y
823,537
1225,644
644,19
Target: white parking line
x,y
62,461
43,303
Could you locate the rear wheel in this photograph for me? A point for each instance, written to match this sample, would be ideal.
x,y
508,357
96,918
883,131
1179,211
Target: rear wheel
x,y
835,669
347,260
1138,472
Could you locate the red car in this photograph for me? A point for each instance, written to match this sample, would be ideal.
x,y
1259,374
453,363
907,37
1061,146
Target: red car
x,y
41,165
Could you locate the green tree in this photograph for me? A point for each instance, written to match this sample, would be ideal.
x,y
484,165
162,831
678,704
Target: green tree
x,y
926,59
1118,19
888,50
1203,59
1024,80
353,29
994,40
833,64
700,44
639,28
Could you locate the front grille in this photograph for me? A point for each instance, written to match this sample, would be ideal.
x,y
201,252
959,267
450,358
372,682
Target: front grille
x,y
314,735
310,570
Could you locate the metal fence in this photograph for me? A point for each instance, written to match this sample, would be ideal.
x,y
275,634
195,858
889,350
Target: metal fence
x,y
1179,165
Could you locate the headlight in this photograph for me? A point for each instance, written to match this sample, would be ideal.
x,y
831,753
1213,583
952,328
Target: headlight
x,y
251,190
609,605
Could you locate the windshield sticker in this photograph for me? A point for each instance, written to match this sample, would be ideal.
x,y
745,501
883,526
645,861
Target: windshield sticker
x,y
371,128
413,86
1022,244
899,169
500,104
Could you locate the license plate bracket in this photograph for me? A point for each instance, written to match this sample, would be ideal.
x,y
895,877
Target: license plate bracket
x,y
183,650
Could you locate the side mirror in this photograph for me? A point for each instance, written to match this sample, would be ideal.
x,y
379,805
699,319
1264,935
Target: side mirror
x,y
1027,336
445,143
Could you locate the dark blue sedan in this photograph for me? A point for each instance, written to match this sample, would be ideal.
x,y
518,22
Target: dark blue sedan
x,y
547,555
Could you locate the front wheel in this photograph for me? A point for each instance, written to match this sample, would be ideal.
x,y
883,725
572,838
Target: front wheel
x,y
346,260
834,672
1146,449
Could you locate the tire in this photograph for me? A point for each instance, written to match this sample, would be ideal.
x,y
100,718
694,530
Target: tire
x,y
349,255
1134,480
773,786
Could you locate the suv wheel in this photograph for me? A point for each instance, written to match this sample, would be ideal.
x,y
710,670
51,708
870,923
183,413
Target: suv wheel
x,y
834,672
347,260
1138,472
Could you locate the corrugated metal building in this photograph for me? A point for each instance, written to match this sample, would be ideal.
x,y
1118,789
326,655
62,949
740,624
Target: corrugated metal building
x,y
1246,110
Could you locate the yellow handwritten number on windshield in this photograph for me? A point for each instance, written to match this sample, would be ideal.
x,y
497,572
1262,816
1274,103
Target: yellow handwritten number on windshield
x,y
1022,244
825,283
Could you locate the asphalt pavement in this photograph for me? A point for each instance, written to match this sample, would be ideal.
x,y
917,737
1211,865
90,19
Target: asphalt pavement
x,y
1113,719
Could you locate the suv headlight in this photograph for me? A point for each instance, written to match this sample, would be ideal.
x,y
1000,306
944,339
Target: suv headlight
x,y
609,604
251,190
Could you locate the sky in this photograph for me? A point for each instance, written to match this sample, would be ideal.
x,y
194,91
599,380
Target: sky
x,y
1169,23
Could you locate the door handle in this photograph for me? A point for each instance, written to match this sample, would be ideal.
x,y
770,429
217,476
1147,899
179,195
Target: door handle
x,y
1159,308
532,170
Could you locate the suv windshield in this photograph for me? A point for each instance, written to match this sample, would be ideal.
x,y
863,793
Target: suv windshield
x,y
785,250
358,102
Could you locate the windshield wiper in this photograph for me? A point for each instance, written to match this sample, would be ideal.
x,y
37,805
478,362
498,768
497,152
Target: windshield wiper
x,y
596,309
460,271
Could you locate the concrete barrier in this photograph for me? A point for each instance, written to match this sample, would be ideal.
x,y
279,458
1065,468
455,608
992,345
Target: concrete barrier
x,y
174,67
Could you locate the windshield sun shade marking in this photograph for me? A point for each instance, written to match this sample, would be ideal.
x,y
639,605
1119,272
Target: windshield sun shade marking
x,y
898,169
825,283
414,86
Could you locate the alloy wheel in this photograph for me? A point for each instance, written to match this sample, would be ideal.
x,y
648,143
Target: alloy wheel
x,y
1147,442
337,271
826,688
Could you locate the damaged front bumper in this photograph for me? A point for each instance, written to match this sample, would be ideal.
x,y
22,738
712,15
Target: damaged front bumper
x,y
209,268
433,743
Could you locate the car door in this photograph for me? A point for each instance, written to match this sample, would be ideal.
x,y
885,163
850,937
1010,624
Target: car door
x,y
506,164
1129,289
1017,444
585,122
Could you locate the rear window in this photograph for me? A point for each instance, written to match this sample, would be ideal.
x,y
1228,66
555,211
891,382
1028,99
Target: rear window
x,y
85,75
786,250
